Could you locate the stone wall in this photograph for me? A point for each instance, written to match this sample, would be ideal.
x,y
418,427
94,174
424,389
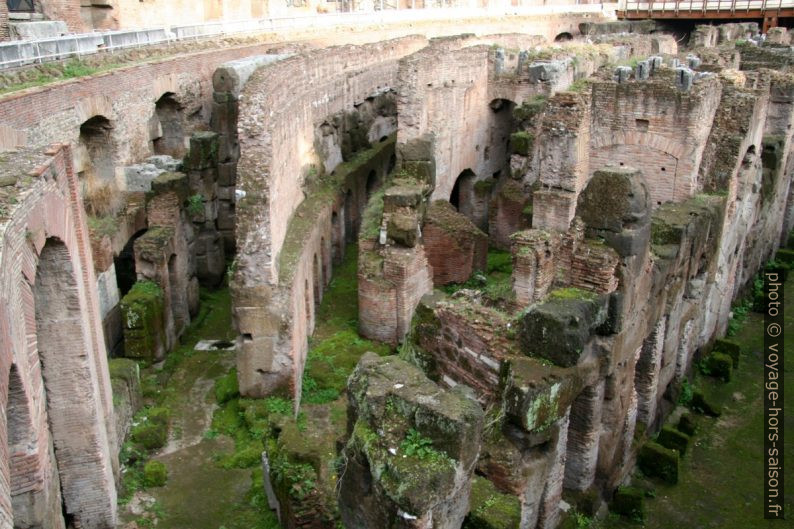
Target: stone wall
x,y
52,345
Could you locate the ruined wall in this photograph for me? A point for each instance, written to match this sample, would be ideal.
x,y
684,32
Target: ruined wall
x,y
57,395
653,122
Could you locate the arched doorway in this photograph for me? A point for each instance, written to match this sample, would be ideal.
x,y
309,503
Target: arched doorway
x,y
171,141
72,399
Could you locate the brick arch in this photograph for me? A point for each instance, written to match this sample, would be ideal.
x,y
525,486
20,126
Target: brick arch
x,y
95,105
658,160
49,227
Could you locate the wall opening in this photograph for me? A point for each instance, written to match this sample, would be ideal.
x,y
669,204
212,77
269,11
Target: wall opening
x,y
126,275
563,37
372,183
71,400
317,281
326,263
96,167
349,235
169,113
462,190
336,238
307,300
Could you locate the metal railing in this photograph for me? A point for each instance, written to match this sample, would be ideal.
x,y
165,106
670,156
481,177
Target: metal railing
x,y
705,6
20,53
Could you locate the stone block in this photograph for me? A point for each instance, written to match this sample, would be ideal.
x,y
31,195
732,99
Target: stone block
x,y
673,439
628,502
615,198
559,328
718,365
701,403
171,183
642,71
423,171
402,195
210,258
417,149
403,228
547,71
139,177
622,74
684,78
656,461
687,425
537,395
204,150
455,247
490,508
227,174
412,449
143,320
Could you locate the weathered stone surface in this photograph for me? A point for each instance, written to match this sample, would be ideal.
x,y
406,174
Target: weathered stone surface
x,y
412,450
403,228
559,328
143,318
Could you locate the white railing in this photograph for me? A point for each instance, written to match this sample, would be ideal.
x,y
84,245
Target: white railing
x,y
19,53
705,6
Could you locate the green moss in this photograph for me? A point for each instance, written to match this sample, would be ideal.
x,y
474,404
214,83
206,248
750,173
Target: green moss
x,y
226,387
490,509
530,109
155,474
718,365
521,142
629,502
572,293
143,320
335,347
730,348
124,369
785,256
484,187
321,197
657,461
702,404
151,430
103,226
687,425
673,439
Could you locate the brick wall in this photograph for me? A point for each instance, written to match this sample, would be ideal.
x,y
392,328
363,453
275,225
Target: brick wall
x,y
48,223
4,29
67,11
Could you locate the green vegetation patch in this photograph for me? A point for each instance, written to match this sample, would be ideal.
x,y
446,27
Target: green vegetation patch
x,y
490,509
226,387
657,461
629,502
155,474
673,439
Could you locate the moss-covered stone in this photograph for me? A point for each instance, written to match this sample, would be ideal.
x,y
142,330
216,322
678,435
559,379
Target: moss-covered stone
x,y
673,439
628,502
656,461
124,369
704,405
718,365
154,245
151,432
614,198
171,182
729,348
143,321
226,387
490,509
559,328
403,228
423,171
687,425
484,187
154,474
203,153
521,142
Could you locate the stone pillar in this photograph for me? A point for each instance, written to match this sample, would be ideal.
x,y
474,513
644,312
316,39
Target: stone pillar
x,y
549,514
646,375
584,433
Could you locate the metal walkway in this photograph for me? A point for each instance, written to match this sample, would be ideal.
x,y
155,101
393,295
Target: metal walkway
x,y
767,10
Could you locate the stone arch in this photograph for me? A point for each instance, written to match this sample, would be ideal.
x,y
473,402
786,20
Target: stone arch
x,y
563,37
169,137
660,167
124,263
462,193
72,401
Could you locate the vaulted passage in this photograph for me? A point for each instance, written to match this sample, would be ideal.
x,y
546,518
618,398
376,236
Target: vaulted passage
x,y
169,116
71,397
